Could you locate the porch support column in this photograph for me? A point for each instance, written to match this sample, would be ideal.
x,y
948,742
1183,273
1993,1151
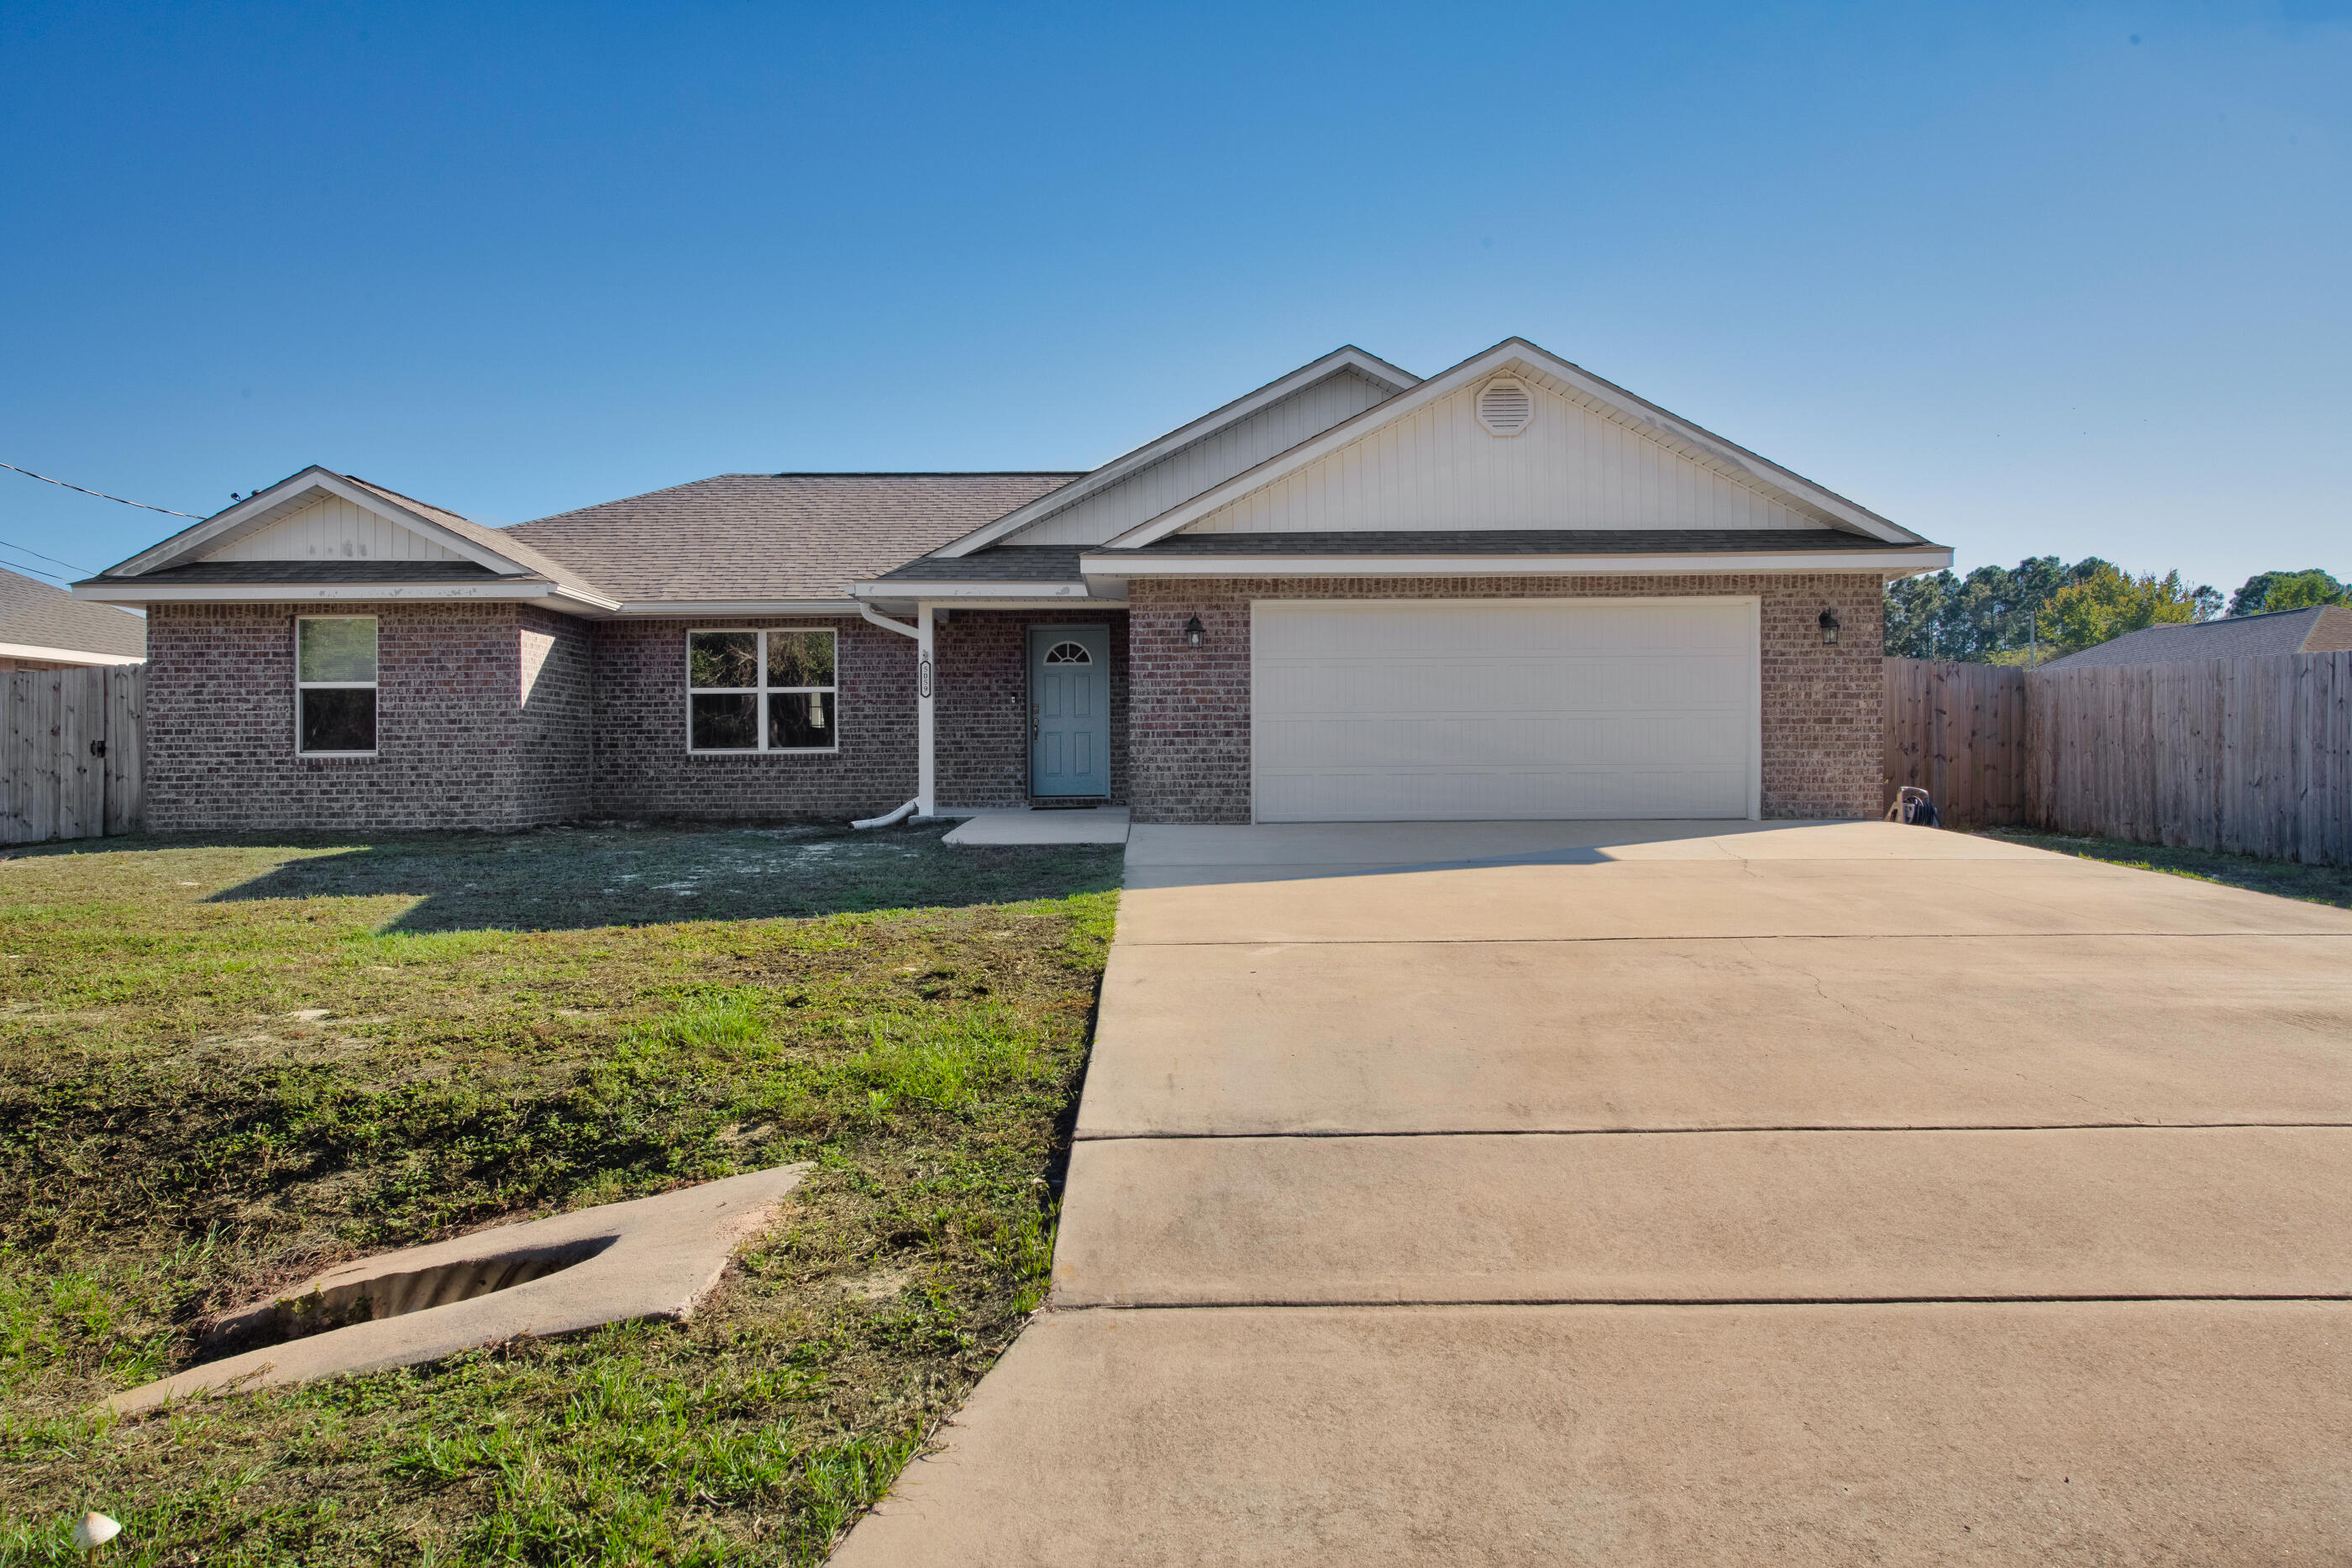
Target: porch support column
x,y
925,768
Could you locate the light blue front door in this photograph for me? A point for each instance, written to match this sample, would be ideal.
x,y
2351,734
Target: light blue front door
x,y
1069,711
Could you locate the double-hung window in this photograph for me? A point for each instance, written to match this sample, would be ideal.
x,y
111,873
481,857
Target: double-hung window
x,y
334,685
762,691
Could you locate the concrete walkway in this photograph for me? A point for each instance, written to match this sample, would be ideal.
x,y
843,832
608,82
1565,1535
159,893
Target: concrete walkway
x,y
1027,825
1497,1193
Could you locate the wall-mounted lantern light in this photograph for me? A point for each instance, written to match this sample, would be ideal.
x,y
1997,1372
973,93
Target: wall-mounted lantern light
x,y
1829,628
1194,632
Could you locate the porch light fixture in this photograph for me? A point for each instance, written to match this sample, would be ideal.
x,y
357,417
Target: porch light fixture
x,y
1194,632
1829,628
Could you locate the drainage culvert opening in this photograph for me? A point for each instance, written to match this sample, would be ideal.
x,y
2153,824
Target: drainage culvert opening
x,y
391,1294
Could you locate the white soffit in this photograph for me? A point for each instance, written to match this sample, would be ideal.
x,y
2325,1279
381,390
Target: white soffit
x,y
1349,359
1519,358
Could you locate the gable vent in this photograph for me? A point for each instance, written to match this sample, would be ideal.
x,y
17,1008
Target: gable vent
x,y
1505,406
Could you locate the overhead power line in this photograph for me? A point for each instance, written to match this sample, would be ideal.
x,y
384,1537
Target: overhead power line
x,y
53,560
102,495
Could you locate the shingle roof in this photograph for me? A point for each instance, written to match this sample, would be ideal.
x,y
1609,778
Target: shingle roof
x,y
771,536
2320,629
35,614
1000,563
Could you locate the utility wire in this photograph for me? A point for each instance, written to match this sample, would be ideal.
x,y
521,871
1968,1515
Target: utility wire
x,y
35,570
102,495
37,555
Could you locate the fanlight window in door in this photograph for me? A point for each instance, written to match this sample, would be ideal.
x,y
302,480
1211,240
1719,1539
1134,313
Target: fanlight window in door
x,y
1069,653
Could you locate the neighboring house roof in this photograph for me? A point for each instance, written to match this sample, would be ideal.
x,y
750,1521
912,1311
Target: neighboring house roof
x,y
751,537
38,622
2321,629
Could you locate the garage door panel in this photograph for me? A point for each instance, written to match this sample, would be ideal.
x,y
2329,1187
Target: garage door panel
x,y
1464,710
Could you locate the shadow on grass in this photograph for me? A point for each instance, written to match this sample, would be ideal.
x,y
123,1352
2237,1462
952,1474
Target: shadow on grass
x,y
577,878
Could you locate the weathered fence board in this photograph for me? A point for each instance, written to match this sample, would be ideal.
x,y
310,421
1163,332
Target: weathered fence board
x,y
1958,731
69,753
2253,756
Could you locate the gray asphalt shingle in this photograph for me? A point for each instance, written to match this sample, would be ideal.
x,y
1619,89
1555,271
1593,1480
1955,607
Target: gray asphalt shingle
x,y
34,615
771,536
2318,630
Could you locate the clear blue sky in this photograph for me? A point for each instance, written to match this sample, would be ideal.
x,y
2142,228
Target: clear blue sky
x,y
2029,279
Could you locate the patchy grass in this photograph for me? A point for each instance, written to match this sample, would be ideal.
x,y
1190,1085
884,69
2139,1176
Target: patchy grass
x,y
2287,879
226,1064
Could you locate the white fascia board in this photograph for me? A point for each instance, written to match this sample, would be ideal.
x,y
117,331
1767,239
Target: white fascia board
x,y
191,541
957,592
842,608
1349,357
131,590
1007,597
65,655
1905,562
1478,367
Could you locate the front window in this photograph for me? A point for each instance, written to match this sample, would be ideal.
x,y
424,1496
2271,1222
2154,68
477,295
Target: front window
x,y
334,684
762,691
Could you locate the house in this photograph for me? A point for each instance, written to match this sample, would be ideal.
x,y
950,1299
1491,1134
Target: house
x,y
45,628
1511,590
2320,629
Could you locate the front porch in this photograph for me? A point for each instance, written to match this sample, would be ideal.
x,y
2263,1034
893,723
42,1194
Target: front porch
x,y
1018,702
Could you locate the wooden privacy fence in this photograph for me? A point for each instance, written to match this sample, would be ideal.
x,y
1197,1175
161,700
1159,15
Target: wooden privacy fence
x,y
69,753
2253,756
1958,731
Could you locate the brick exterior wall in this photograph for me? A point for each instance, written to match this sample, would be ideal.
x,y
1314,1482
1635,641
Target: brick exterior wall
x,y
458,741
494,716
981,704
1189,733
643,770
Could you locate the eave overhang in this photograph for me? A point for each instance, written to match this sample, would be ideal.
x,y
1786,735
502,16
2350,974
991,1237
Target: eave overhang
x,y
1900,561
146,590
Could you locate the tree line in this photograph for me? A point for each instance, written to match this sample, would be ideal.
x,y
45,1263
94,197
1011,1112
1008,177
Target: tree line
x,y
2041,608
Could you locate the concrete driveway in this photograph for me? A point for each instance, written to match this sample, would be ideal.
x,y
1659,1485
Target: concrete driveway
x,y
1837,1192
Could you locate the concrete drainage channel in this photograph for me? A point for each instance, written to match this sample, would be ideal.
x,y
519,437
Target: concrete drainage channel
x,y
652,1258
321,1309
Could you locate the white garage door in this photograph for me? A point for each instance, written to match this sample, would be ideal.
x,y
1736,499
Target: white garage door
x,y
1472,710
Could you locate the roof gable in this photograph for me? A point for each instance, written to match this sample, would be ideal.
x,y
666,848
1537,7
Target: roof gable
x,y
323,518
1592,456
1158,474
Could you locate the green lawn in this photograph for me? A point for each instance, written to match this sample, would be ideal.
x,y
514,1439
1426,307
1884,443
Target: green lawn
x,y
2287,879
226,1064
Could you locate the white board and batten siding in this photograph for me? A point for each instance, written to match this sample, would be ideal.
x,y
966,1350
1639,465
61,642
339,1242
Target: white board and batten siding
x,y
1211,460
1438,468
332,529
1493,709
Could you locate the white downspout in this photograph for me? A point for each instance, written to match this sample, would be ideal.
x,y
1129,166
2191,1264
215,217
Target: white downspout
x,y
924,752
921,632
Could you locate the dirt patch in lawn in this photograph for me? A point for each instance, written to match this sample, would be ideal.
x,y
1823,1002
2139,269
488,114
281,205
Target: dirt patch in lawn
x,y
224,1065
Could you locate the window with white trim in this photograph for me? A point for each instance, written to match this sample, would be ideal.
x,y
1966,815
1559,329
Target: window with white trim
x,y
334,685
762,691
